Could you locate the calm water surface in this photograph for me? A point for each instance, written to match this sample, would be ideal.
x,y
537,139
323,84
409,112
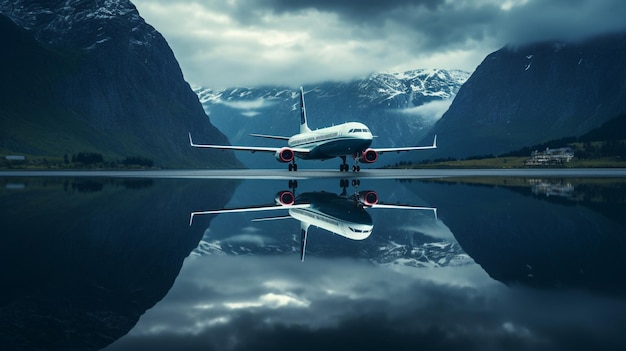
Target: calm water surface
x,y
503,263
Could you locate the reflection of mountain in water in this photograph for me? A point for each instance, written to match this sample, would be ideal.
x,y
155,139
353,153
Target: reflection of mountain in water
x,y
393,247
399,237
548,242
82,259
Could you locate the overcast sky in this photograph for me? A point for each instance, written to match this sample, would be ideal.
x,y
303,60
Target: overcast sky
x,y
294,42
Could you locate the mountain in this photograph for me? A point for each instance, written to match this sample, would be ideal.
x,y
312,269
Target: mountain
x,y
388,245
93,76
400,238
521,96
547,233
400,108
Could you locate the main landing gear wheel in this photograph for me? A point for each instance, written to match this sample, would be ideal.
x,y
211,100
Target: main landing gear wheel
x,y
293,167
343,167
293,184
356,168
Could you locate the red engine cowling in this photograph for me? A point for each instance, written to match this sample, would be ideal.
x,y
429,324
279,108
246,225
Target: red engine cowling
x,y
285,198
368,156
285,155
368,198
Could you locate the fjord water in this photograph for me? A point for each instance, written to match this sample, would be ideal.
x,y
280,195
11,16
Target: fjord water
x,y
113,263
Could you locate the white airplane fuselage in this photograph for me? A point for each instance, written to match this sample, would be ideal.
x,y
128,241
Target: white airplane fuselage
x,y
356,227
350,138
347,139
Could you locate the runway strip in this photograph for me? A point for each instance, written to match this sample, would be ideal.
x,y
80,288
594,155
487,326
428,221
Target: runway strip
x,y
318,173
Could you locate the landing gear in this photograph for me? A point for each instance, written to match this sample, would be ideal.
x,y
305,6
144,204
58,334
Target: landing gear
x,y
343,167
293,167
293,184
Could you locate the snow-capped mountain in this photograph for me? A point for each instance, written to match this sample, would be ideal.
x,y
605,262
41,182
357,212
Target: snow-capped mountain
x,y
58,23
403,251
413,240
400,108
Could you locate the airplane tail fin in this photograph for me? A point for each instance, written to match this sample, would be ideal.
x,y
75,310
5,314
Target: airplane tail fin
x,y
304,230
304,127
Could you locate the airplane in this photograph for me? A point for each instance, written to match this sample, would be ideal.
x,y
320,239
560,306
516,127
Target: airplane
x,y
347,139
339,214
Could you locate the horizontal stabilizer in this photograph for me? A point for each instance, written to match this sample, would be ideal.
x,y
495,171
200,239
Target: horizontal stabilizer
x,y
246,148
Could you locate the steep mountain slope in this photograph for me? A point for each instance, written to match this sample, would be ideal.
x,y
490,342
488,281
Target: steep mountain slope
x,y
93,76
521,96
400,108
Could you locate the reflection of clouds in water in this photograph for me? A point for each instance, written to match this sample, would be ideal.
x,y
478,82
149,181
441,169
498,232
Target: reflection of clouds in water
x,y
258,240
226,302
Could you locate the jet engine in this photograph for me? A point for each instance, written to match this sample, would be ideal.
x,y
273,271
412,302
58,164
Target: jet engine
x,y
285,198
368,198
368,156
284,155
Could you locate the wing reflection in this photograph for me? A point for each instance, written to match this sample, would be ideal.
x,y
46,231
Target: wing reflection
x,y
341,214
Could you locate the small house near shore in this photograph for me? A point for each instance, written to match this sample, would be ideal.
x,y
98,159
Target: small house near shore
x,y
550,157
15,158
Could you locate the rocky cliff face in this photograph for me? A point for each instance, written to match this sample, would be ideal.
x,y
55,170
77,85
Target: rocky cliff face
x,y
116,88
521,96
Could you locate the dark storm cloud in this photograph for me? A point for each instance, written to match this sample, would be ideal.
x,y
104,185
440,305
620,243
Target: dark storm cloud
x,y
366,10
228,43
561,20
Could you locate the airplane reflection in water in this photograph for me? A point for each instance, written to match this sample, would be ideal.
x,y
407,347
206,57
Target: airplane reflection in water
x,y
341,214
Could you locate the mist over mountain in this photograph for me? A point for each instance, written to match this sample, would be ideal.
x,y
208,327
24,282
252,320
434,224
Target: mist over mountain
x,y
93,76
523,96
399,108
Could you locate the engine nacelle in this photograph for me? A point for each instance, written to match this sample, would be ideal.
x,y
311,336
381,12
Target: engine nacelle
x,y
368,198
368,156
285,198
285,155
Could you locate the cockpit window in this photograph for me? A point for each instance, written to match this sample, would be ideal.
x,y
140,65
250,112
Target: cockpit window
x,y
355,230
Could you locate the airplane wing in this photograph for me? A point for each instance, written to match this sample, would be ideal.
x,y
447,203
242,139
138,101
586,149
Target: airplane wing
x,y
405,207
276,218
270,136
408,148
245,148
247,209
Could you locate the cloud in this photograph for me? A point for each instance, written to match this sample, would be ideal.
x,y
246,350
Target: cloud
x,y
244,43
431,110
